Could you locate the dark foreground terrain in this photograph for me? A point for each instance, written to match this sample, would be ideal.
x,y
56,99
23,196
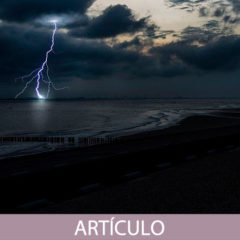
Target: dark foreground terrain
x,y
193,167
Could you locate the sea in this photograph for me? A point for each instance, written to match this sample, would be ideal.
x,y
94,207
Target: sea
x,y
93,118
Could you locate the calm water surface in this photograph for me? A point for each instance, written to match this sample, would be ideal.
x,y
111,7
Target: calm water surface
x,y
94,118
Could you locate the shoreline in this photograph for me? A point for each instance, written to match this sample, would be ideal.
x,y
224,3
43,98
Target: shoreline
x,y
74,174
54,147
187,124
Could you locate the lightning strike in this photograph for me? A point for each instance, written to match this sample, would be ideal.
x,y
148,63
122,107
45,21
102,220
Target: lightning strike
x,y
39,76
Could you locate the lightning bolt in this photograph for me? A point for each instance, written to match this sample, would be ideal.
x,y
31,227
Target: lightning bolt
x,y
39,76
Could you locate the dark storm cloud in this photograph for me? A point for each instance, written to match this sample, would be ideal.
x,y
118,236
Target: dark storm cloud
x,y
187,5
210,31
22,49
203,12
24,10
178,2
236,5
136,42
234,20
198,34
83,54
113,21
219,12
197,3
221,55
226,10
18,47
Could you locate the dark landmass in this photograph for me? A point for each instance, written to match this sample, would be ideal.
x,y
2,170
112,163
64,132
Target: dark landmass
x,y
192,167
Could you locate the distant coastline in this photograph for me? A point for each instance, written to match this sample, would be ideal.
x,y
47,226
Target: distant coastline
x,y
120,98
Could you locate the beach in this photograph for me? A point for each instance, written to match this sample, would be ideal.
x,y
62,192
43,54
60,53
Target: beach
x,y
92,119
191,167
209,185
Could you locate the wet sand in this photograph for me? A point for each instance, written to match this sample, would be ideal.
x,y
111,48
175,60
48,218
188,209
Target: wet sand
x,y
192,167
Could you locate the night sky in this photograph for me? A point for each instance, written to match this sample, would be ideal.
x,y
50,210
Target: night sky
x,y
128,48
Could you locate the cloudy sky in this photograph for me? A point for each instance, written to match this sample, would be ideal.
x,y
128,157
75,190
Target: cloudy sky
x,y
123,48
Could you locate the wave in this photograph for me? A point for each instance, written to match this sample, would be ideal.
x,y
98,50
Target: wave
x,y
96,119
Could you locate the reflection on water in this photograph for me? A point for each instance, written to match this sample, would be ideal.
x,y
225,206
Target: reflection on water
x,y
98,117
39,114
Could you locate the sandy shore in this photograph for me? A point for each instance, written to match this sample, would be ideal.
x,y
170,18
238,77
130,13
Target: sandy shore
x,y
192,167
208,185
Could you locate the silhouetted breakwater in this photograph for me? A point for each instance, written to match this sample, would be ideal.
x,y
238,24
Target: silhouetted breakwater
x,y
60,140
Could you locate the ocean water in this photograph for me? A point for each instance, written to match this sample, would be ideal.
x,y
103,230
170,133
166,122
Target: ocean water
x,y
93,118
